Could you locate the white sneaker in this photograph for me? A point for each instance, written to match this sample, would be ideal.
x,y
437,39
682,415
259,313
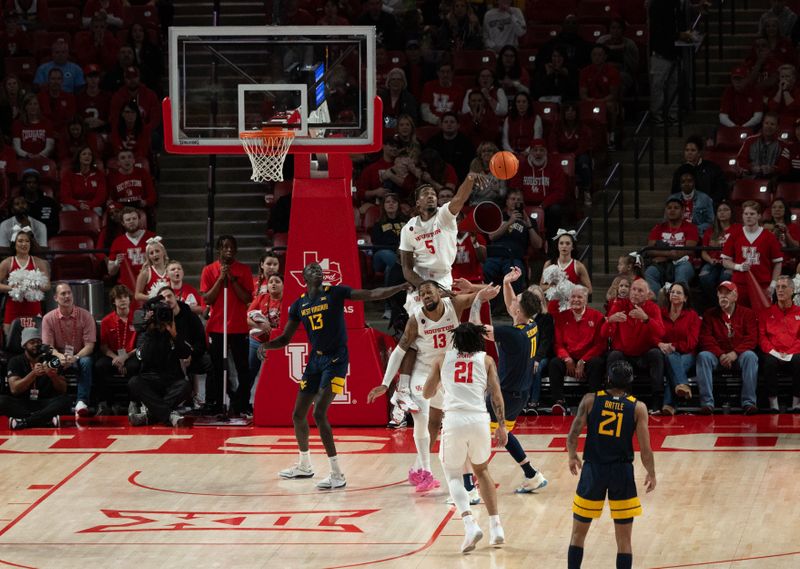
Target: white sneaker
x,y
496,536
404,401
297,471
474,497
332,482
472,535
532,484
81,409
55,420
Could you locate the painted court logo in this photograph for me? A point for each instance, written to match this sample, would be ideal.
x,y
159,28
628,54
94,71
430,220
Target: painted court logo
x,y
331,270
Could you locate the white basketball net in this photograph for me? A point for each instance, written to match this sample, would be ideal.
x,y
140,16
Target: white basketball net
x,y
267,150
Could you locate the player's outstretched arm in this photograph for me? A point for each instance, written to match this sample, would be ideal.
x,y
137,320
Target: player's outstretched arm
x,y
508,291
646,451
498,405
462,195
577,426
377,293
395,359
284,338
484,295
434,379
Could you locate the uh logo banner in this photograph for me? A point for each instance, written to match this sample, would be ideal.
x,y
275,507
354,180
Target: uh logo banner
x,y
322,230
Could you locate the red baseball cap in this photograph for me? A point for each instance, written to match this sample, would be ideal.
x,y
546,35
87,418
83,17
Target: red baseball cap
x,y
728,285
131,72
91,69
538,142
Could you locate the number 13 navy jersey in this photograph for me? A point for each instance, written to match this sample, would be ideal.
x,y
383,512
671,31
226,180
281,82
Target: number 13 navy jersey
x,y
323,317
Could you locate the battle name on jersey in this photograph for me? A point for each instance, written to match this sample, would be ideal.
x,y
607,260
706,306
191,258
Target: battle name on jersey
x,y
421,236
313,309
615,405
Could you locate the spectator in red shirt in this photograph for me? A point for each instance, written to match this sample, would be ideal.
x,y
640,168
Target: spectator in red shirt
x,y
183,291
742,103
579,346
599,82
635,328
129,185
92,103
127,254
32,134
229,275
440,95
679,344
763,66
479,123
117,348
521,124
131,133
712,273
728,338
84,187
74,138
666,264
98,45
543,183
786,99
145,98
752,249
571,136
263,316
389,174
113,12
57,106
779,340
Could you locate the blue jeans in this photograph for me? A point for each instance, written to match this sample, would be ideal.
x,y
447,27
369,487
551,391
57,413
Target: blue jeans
x,y
678,366
747,362
654,275
255,364
536,386
382,261
495,268
85,366
710,277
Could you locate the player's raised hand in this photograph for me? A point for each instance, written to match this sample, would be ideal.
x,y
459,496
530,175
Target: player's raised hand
x,y
376,392
575,465
488,293
514,274
462,285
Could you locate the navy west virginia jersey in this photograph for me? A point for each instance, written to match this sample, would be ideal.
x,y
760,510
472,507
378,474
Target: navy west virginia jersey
x,y
609,429
517,347
323,318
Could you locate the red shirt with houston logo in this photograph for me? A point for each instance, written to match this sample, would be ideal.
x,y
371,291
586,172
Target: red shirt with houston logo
x,y
133,249
674,236
32,136
88,188
442,99
779,329
541,186
761,249
130,189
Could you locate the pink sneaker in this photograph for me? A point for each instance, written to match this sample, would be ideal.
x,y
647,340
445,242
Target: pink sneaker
x,y
426,481
414,476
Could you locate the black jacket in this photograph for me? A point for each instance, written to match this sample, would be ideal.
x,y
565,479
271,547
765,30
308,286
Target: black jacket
x,y
189,325
160,353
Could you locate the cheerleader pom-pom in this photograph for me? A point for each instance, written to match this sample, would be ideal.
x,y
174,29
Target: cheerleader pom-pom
x,y
553,275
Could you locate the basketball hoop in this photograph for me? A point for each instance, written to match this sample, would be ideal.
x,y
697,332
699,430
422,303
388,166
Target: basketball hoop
x,y
267,149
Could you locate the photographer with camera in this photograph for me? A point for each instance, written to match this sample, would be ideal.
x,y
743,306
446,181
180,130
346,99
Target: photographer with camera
x,y
161,384
190,327
508,246
38,391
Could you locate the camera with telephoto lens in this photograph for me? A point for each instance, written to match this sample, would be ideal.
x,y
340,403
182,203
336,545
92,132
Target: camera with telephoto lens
x,y
160,311
45,356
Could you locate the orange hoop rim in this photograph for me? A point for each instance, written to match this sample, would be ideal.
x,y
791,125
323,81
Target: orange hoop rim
x,y
265,132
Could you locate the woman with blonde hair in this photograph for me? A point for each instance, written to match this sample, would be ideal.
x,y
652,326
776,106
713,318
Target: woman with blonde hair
x,y
397,99
154,270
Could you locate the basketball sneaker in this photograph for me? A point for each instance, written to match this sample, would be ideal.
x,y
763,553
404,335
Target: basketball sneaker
x,y
398,418
404,401
427,482
296,471
532,484
472,535
414,476
332,482
497,536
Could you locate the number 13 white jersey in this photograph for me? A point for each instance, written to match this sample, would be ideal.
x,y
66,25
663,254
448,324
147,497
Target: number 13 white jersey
x,y
433,243
434,337
464,381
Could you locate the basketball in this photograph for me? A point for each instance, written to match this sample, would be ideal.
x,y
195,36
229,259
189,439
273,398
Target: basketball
x,y
503,165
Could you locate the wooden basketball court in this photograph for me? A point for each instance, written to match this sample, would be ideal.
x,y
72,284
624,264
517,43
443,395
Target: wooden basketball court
x,y
108,495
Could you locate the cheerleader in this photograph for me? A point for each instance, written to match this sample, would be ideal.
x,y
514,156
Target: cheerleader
x,y
23,245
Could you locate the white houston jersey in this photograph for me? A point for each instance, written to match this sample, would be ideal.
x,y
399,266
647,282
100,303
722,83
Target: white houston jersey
x,y
464,380
434,336
434,245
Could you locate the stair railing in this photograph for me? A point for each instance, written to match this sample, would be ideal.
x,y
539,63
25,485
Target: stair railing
x,y
609,203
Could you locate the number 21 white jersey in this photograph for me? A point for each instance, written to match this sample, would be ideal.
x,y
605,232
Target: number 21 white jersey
x,y
464,380
433,243
435,337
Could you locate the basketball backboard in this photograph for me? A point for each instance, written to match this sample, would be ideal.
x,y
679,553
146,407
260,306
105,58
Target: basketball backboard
x,y
318,81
